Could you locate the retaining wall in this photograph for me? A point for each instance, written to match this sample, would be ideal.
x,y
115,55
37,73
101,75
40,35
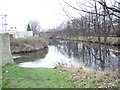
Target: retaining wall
x,y
5,52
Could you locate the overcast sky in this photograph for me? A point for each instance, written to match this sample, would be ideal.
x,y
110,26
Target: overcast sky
x,y
20,12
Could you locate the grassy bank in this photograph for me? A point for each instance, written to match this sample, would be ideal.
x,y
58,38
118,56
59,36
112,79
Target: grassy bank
x,y
110,40
0,77
28,44
18,77
86,78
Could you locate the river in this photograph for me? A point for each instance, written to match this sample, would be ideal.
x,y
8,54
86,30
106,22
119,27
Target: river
x,y
72,53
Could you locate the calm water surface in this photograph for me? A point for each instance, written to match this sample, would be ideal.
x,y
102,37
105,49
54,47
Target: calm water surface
x,y
72,53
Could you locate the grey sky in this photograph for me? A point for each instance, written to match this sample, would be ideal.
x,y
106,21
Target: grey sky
x,y
20,12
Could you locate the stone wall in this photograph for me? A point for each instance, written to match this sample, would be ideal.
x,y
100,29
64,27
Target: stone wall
x,y
5,53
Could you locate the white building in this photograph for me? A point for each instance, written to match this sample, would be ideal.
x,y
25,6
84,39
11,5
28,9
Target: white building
x,y
18,34
22,34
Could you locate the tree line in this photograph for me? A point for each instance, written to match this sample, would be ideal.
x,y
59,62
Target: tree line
x,y
98,20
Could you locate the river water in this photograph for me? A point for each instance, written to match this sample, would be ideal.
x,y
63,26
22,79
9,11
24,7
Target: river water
x,y
72,53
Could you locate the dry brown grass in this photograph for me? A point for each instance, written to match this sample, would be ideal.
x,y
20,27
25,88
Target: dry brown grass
x,y
27,44
89,78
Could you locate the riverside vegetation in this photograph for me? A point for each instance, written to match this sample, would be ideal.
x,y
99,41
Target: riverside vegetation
x,y
0,77
58,77
110,40
29,44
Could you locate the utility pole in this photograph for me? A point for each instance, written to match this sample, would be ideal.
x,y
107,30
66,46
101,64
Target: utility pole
x,y
3,23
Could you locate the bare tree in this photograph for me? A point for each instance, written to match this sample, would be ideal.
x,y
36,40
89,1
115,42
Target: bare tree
x,y
35,26
107,12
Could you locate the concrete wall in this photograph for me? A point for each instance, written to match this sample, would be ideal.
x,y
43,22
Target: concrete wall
x,y
5,53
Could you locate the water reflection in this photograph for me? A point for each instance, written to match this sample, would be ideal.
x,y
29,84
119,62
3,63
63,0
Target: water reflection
x,y
50,60
31,57
97,57
92,55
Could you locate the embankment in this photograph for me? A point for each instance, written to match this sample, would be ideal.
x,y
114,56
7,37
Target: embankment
x,y
115,41
31,44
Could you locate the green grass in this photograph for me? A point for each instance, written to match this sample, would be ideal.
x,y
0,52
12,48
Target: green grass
x,y
0,77
18,77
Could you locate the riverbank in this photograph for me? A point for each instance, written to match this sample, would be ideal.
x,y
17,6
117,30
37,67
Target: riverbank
x,y
115,41
29,44
0,77
18,77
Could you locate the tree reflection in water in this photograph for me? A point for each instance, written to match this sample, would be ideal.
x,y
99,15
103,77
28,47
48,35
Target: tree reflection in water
x,y
91,55
98,57
32,56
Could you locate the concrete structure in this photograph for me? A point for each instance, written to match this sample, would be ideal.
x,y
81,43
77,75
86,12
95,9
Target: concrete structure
x,y
5,52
